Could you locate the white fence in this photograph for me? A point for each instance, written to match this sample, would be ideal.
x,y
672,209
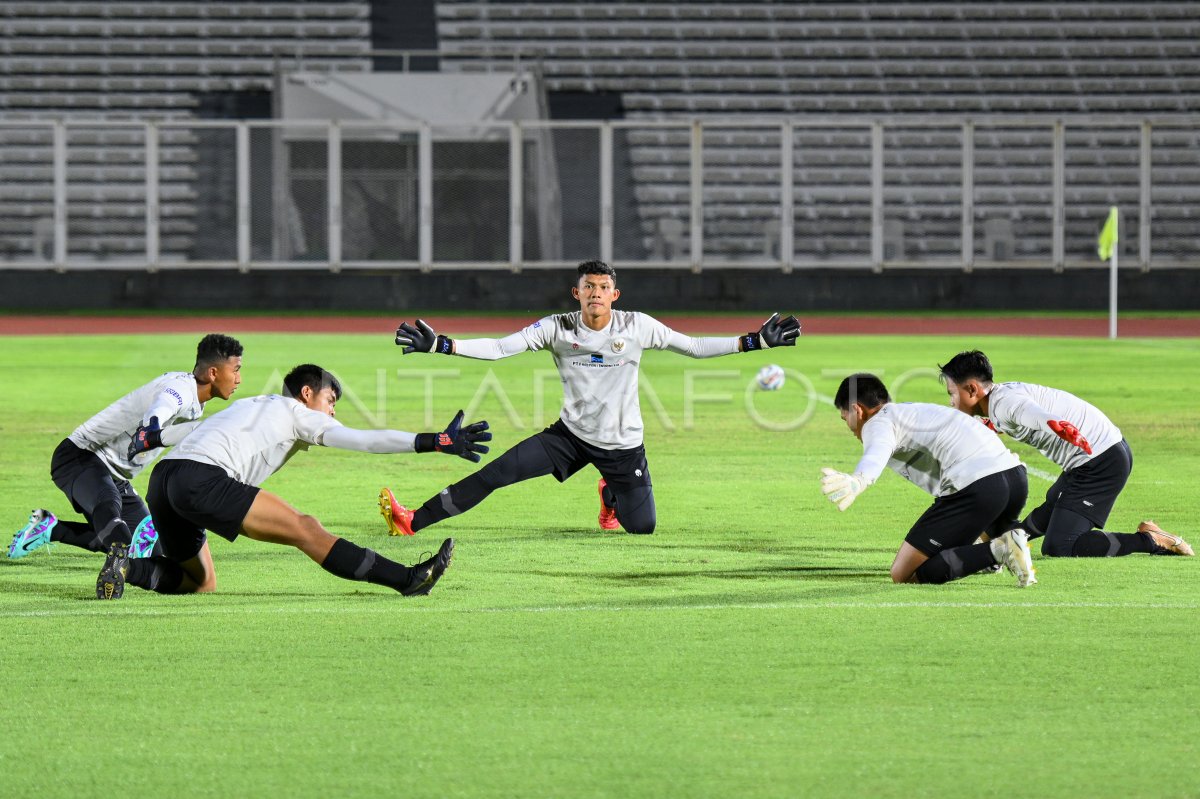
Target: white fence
x,y
692,194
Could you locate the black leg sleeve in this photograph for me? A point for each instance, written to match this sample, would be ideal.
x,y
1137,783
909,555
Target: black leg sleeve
x,y
635,509
952,564
161,575
526,460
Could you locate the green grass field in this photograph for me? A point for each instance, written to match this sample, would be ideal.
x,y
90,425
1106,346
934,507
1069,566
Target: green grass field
x,y
753,646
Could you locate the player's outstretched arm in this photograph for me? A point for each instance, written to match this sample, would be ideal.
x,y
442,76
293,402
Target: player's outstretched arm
x,y
775,332
455,440
422,338
1070,433
840,488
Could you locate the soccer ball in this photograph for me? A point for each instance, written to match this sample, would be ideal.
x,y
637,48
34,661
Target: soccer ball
x,y
770,378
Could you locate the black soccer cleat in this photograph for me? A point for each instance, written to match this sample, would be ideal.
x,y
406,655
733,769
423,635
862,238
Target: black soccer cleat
x,y
111,582
428,572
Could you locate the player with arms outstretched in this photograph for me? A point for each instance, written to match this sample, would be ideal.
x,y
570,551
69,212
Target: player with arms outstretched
x,y
210,482
598,352
976,483
1095,458
95,464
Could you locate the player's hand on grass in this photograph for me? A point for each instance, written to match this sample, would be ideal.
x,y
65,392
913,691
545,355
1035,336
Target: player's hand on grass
x,y
775,332
1069,433
422,339
145,438
840,488
465,442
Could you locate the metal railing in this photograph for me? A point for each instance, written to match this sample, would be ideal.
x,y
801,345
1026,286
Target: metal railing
x,y
692,194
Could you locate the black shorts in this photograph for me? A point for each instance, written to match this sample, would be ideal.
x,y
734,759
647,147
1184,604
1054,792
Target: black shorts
x,y
990,505
187,497
83,477
622,469
1090,490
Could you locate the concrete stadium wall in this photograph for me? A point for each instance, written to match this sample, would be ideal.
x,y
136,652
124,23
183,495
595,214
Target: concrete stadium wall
x,y
538,290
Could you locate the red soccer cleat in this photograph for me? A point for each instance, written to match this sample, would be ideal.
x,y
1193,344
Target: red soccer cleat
x,y
398,517
608,516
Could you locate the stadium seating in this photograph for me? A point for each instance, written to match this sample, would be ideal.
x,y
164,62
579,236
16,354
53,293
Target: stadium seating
x,y
108,62
821,60
814,63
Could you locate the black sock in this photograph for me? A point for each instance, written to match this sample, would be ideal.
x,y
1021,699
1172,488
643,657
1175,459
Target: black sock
x,y
451,501
951,564
1098,544
608,497
161,575
77,534
352,562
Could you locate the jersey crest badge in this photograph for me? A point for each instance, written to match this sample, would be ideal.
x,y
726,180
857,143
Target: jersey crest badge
x,y
618,345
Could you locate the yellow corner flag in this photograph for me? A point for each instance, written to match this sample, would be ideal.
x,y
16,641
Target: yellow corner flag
x,y
1108,236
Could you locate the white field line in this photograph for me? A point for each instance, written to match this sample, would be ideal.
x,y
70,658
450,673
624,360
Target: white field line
x,y
386,606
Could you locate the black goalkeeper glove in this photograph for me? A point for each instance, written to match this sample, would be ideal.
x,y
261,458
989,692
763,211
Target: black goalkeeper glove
x,y
773,333
422,339
145,438
456,439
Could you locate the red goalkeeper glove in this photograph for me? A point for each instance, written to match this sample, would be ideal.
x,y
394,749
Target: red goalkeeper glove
x,y
1069,433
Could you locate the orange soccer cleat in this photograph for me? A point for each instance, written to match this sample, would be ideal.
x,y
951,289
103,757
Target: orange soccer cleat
x,y
1171,544
398,517
608,516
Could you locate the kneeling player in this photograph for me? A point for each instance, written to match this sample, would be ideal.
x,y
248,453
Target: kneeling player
x,y
210,482
1094,456
96,463
977,484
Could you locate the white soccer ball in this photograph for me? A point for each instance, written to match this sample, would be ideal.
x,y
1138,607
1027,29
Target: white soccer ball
x,y
770,377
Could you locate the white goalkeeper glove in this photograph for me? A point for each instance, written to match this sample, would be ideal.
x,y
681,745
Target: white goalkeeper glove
x,y
840,488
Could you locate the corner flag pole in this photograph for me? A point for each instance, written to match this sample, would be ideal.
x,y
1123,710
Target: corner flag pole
x,y
1107,249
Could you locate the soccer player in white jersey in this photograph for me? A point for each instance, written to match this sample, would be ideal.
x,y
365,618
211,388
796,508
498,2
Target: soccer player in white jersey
x,y
598,352
1093,454
95,464
210,482
976,483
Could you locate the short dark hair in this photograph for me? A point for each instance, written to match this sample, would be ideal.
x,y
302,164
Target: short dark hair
x,y
215,348
597,268
863,389
972,365
313,376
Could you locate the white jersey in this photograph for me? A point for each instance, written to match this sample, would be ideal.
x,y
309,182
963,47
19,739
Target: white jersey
x,y
172,398
1022,410
253,438
934,447
599,368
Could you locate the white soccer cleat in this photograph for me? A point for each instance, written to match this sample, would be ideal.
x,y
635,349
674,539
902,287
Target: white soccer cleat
x,y
1012,549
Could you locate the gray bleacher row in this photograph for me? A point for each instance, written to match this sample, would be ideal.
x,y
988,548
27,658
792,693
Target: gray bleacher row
x,y
119,61
852,12
817,60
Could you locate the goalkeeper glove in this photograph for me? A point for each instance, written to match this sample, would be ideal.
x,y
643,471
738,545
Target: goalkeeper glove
x,y
456,439
773,333
840,488
1069,433
145,438
422,339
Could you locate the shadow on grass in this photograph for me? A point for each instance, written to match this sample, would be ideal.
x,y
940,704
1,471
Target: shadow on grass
x,y
642,577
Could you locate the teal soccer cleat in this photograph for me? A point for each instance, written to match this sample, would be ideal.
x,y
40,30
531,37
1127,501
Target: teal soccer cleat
x,y
144,539
33,535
